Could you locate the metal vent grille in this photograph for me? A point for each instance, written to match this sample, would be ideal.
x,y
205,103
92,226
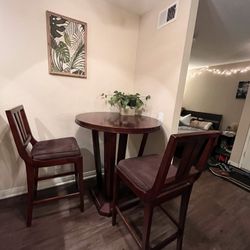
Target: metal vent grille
x,y
162,18
171,12
167,15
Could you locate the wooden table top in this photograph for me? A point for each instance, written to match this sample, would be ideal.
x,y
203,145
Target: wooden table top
x,y
113,122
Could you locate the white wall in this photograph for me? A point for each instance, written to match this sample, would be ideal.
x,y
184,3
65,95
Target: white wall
x,y
162,59
51,102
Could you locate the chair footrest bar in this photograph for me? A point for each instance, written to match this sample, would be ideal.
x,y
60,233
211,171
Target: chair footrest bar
x,y
138,241
55,176
38,202
165,242
128,204
169,216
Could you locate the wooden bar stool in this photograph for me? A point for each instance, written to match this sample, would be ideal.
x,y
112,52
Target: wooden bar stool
x,y
156,179
44,154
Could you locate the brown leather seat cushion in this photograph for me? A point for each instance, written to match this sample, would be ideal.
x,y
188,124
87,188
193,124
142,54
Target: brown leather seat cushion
x,y
142,171
54,149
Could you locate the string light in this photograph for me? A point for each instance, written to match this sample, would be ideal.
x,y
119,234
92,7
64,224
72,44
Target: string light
x,y
215,71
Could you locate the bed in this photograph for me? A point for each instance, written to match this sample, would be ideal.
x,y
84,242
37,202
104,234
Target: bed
x,y
191,121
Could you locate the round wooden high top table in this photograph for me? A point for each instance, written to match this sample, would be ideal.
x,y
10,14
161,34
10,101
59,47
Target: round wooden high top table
x,y
111,124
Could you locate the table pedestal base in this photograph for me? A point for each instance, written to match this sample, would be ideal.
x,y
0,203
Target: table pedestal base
x,y
102,205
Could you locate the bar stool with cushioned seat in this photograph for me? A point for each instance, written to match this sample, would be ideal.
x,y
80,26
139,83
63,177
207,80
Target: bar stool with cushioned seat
x,y
156,179
44,154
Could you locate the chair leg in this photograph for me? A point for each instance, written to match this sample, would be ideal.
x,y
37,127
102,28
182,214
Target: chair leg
x,y
30,184
115,194
182,217
148,214
76,177
79,167
35,182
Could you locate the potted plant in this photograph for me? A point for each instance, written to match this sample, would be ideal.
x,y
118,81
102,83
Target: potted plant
x,y
128,104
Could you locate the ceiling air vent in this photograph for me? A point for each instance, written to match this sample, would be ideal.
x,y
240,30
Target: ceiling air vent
x,y
167,15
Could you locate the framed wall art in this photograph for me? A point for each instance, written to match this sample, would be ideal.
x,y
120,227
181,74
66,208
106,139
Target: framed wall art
x,y
242,89
67,45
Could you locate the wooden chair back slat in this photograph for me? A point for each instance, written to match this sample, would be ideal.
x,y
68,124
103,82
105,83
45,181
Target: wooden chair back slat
x,y
20,130
185,162
192,150
20,127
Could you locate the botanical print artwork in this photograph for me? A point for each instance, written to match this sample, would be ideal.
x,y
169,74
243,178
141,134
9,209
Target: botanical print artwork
x,y
67,45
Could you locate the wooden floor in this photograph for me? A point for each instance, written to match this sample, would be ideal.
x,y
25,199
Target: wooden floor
x,y
218,219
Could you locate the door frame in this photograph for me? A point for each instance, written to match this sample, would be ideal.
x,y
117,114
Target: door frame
x,y
246,145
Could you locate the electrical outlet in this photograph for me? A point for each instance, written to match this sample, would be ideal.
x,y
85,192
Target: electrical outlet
x,y
160,116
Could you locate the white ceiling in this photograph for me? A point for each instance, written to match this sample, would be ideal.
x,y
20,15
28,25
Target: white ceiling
x,y
139,7
222,32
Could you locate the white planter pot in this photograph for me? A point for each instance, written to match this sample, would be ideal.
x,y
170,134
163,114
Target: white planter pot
x,y
127,111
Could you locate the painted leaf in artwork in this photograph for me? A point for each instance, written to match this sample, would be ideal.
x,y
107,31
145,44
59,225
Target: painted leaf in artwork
x,y
75,33
66,69
77,61
57,25
62,52
53,43
57,65
67,39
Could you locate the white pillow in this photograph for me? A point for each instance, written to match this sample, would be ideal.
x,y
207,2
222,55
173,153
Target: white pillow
x,y
185,120
201,124
208,125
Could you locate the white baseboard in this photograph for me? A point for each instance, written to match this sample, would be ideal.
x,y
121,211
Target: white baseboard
x,y
234,164
7,193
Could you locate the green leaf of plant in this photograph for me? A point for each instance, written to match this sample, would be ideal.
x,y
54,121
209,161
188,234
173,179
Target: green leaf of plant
x,y
123,100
